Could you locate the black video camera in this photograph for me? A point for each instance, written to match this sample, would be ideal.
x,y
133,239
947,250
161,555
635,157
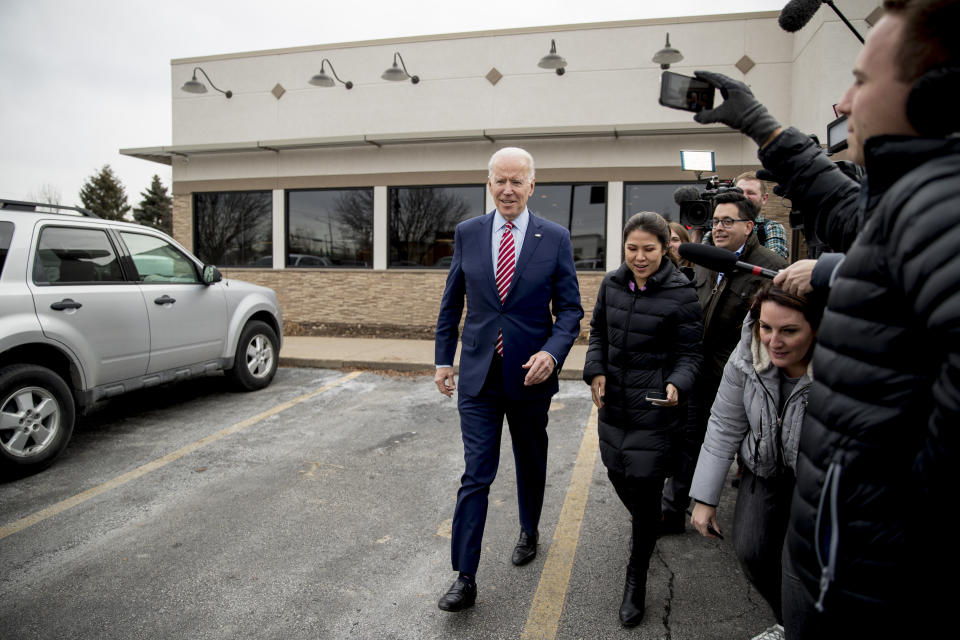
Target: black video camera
x,y
696,207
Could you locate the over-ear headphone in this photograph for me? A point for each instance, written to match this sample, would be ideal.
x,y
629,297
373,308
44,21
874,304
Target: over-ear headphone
x,y
933,105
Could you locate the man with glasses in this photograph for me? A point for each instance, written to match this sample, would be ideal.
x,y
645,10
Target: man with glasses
x,y
770,233
725,299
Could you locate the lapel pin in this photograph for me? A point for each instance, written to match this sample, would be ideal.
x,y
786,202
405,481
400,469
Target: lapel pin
x,y
536,235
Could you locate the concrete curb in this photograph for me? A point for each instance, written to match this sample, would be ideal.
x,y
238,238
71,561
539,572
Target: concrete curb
x,y
381,365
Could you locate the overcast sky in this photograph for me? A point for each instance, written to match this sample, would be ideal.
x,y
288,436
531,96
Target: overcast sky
x,y
81,80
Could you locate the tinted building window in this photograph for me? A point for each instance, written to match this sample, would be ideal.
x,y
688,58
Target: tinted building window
x,y
234,228
652,196
580,208
330,228
423,219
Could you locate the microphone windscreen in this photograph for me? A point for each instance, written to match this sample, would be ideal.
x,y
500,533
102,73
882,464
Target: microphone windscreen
x,y
705,255
797,14
686,193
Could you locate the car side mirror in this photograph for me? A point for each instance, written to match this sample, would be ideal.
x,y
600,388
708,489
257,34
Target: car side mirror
x,y
211,274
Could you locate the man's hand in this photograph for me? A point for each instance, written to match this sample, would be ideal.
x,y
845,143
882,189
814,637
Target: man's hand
x,y
539,366
795,279
739,110
445,381
703,516
597,388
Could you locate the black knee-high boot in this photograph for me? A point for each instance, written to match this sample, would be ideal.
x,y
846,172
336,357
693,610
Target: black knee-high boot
x,y
635,584
642,497
634,594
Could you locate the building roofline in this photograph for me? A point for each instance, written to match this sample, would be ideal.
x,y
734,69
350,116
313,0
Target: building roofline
x,y
725,17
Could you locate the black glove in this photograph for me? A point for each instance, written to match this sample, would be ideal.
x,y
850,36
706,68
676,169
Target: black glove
x,y
740,110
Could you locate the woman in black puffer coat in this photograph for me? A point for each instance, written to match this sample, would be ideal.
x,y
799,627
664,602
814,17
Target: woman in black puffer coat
x,y
644,339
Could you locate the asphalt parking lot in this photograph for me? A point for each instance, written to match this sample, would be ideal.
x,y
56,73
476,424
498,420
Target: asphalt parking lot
x,y
320,508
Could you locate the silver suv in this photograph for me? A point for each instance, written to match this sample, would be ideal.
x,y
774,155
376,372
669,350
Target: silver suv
x,y
91,308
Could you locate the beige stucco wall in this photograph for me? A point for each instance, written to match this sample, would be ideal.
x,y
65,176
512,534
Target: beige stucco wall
x,y
610,81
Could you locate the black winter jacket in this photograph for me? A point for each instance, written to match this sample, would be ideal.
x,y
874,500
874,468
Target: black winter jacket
x,y
815,185
642,340
879,448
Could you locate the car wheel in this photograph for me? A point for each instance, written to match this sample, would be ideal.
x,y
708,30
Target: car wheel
x,y
256,358
36,418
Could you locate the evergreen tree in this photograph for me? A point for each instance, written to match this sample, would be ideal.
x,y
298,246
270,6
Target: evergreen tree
x,y
156,207
104,195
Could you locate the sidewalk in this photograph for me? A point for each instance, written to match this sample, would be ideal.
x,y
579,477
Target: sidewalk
x,y
375,353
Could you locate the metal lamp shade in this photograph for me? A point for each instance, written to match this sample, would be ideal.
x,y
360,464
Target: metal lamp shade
x,y
321,80
552,60
395,74
194,86
667,56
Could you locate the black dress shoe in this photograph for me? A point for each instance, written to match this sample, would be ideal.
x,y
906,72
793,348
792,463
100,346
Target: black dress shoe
x,y
526,549
461,595
634,594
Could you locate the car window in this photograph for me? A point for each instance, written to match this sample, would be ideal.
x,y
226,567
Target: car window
x,y
71,255
157,260
6,235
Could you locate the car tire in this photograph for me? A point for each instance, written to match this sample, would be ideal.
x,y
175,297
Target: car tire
x,y
256,358
37,413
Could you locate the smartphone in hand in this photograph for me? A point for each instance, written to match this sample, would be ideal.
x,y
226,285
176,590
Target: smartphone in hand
x,y
658,398
686,93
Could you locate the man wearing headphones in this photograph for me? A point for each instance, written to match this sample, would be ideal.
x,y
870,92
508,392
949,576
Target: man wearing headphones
x,y
868,542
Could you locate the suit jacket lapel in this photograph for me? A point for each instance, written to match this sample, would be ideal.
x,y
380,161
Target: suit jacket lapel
x,y
487,246
531,240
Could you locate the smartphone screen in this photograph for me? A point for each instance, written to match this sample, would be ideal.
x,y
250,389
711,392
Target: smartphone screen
x,y
685,93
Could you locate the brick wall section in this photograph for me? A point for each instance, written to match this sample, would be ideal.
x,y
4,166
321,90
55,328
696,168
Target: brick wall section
x,y
183,220
399,298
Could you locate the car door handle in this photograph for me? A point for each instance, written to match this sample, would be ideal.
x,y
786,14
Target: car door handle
x,y
164,299
66,303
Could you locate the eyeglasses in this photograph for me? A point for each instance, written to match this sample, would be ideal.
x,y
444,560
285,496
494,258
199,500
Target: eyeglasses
x,y
727,223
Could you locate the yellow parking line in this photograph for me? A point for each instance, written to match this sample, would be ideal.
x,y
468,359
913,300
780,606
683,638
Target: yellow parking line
x,y
544,618
79,498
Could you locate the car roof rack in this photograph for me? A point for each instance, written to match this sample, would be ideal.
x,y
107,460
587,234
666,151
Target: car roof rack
x,y
20,205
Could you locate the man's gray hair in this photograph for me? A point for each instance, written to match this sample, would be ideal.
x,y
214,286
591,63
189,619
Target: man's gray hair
x,y
512,152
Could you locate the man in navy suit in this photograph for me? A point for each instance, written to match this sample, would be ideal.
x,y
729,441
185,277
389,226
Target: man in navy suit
x,y
516,272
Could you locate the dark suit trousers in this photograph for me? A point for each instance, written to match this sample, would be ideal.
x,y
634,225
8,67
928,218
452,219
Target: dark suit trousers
x,y
481,425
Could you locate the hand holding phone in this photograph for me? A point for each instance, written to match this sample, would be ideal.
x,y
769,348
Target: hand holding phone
x,y
658,398
686,93
666,398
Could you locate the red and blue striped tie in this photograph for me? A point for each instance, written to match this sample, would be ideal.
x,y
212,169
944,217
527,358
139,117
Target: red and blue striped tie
x,y
506,264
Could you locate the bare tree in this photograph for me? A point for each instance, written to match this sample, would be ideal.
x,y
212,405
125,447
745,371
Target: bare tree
x,y
233,228
354,214
46,194
418,214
